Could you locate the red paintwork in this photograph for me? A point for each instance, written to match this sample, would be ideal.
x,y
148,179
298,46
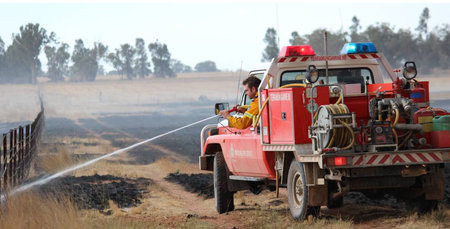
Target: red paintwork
x,y
439,139
243,153
288,102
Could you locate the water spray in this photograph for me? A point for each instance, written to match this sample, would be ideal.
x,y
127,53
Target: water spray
x,y
45,180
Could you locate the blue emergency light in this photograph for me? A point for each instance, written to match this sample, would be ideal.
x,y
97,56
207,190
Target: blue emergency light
x,y
354,48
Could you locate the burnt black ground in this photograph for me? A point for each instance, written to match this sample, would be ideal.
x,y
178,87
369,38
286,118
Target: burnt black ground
x,y
202,184
94,192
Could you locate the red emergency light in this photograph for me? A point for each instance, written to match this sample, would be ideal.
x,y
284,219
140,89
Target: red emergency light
x,y
300,50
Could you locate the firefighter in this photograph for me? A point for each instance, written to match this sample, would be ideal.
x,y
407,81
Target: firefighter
x,y
251,85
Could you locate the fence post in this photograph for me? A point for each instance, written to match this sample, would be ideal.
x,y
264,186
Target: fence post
x,y
16,161
21,164
10,162
5,155
27,148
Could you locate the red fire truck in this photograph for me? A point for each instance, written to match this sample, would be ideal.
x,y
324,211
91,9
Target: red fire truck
x,y
329,125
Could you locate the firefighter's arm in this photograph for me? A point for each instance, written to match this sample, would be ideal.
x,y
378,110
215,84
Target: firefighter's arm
x,y
240,123
242,109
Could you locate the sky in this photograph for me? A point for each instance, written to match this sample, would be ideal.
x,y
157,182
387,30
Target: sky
x,y
228,33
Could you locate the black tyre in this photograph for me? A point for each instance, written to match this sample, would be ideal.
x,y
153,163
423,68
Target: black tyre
x,y
297,191
224,198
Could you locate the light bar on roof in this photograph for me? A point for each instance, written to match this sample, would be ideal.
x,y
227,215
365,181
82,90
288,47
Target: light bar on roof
x,y
355,48
299,50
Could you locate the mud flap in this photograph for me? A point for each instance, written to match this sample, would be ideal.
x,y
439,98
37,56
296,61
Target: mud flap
x,y
318,195
434,185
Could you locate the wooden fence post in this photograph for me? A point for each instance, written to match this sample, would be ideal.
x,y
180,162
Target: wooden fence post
x,y
21,164
10,161
27,148
5,156
15,159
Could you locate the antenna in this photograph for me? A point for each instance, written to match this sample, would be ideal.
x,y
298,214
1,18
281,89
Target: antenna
x,y
239,82
278,26
325,44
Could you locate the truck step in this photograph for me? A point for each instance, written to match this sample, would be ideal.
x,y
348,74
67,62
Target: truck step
x,y
242,178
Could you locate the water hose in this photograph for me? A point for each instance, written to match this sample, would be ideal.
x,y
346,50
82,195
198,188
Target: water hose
x,y
342,138
294,85
256,120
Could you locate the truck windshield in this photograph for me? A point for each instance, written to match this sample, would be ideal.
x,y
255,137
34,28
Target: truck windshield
x,y
359,76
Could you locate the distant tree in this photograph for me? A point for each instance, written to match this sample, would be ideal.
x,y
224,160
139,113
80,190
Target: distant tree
x,y
22,57
85,61
178,67
2,47
2,60
101,70
271,51
57,61
114,59
355,35
206,66
142,66
296,39
161,60
444,34
122,60
101,51
127,53
422,29
335,41
397,46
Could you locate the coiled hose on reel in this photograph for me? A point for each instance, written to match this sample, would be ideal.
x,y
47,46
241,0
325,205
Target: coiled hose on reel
x,y
341,137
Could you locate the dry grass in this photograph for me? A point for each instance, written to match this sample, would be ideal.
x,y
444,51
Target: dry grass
x,y
28,210
436,219
264,218
54,162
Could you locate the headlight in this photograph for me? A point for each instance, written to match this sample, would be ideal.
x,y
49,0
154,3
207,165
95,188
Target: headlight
x,y
409,70
312,75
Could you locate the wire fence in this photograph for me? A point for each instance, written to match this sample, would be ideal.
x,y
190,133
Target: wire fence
x,y
18,149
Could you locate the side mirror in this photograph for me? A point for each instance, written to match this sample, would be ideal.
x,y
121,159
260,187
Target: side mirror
x,y
409,70
312,74
220,107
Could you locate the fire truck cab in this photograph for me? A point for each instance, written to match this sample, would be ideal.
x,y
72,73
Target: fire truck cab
x,y
329,125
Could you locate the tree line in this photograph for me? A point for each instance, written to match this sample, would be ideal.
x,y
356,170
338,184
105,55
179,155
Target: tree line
x,y
20,63
428,48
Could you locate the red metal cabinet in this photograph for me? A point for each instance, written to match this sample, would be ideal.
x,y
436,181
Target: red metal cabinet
x,y
288,116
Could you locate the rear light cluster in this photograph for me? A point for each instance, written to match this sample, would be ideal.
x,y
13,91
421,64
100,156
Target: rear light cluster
x,y
336,161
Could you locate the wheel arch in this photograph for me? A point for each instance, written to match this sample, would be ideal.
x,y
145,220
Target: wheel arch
x,y
206,161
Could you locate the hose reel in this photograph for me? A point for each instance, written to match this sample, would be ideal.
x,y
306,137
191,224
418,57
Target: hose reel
x,y
333,127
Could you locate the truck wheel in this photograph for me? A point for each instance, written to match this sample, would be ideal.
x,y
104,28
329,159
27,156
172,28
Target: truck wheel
x,y
224,198
297,191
